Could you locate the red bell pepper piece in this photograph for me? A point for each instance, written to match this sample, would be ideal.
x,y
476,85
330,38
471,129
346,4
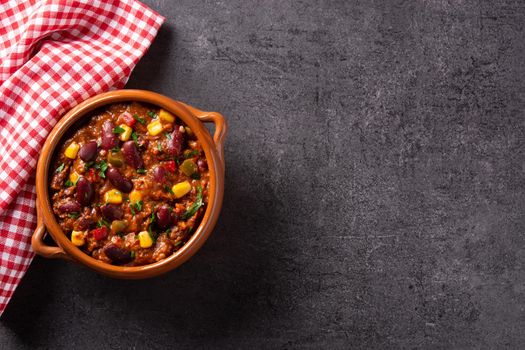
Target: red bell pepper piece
x,y
171,166
92,175
100,233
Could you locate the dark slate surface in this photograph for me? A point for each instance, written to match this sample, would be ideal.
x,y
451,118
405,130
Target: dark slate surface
x,y
374,189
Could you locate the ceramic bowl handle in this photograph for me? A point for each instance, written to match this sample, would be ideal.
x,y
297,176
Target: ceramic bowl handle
x,y
221,127
37,242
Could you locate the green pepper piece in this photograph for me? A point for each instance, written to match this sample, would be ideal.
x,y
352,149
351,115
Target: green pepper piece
x,y
188,167
118,226
116,158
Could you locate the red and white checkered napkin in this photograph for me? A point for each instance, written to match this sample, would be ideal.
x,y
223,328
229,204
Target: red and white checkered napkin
x,y
53,55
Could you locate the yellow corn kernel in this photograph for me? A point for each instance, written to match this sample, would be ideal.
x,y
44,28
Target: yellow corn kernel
x,y
166,116
155,127
181,189
135,196
124,136
73,177
72,150
145,239
77,238
113,197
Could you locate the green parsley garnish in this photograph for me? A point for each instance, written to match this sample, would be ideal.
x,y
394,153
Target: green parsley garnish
x,y
152,114
191,153
135,138
150,228
195,206
152,234
103,222
74,215
135,207
103,166
168,135
115,149
60,168
139,119
118,130
159,147
196,176
132,254
70,183
141,171
88,165
168,189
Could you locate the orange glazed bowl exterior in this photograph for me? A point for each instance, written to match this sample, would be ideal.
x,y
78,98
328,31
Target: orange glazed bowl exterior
x,y
213,149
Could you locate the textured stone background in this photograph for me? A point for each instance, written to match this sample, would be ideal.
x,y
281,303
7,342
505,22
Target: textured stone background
x,y
374,191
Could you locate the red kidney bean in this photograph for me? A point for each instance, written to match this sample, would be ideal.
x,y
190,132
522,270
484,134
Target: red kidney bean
x,y
112,212
88,151
85,192
159,174
164,218
175,143
83,223
132,155
109,139
117,254
118,180
202,164
127,118
69,206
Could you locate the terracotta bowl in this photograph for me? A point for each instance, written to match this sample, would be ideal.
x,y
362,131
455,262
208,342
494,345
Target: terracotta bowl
x,y
213,149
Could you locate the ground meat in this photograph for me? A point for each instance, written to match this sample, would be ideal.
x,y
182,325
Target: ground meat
x,y
163,248
60,176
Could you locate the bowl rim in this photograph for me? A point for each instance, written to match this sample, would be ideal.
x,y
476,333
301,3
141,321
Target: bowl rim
x,y
216,190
